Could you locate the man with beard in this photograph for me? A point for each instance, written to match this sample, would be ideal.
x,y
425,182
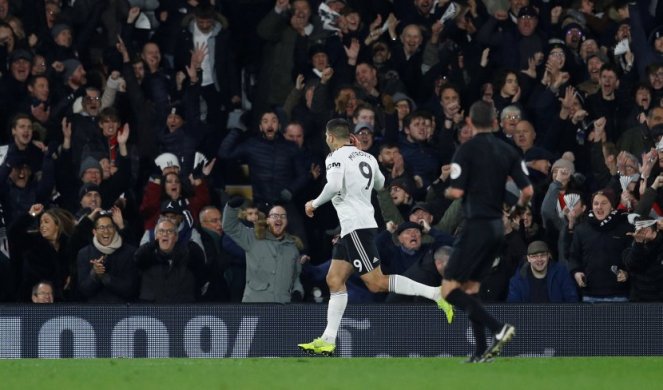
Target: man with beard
x,y
277,170
272,255
106,270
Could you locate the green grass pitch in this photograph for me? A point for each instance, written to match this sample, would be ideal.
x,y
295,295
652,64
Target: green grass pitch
x,y
335,373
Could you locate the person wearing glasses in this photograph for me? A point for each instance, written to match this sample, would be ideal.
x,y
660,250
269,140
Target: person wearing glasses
x,y
106,270
273,256
171,270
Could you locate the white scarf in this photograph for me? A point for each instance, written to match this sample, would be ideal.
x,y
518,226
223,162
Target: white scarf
x,y
115,244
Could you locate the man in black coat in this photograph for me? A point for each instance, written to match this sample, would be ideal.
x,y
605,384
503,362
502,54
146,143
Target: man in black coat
x,y
106,270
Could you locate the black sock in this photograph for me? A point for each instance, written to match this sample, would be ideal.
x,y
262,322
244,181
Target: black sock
x,y
479,332
475,311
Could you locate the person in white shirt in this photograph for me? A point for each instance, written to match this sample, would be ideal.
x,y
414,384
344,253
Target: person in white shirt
x,y
351,177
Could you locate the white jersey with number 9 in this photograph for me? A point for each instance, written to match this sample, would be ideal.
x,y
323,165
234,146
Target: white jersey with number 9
x,y
357,173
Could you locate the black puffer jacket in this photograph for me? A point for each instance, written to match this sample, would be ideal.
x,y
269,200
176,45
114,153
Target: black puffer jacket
x,y
170,277
274,165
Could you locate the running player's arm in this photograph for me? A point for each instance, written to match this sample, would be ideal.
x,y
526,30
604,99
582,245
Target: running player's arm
x,y
333,187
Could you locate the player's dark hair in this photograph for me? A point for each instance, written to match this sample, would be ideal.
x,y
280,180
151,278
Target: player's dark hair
x,y
339,128
482,115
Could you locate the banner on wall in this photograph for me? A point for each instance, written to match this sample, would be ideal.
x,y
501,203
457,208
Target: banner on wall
x,y
236,331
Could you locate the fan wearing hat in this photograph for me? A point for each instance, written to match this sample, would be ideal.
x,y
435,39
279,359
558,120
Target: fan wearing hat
x,y
396,199
20,65
21,188
89,198
562,209
541,280
402,247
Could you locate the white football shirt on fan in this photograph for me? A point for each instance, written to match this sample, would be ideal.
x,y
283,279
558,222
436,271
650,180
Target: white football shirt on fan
x,y
351,177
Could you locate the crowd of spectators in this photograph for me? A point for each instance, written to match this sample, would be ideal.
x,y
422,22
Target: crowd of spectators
x,y
124,123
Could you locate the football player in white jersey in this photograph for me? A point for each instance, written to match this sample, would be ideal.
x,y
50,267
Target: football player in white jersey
x,y
351,176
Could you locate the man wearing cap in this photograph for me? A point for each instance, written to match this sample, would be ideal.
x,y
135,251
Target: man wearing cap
x,y
541,280
13,84
365,135
90,198
396,199
20,188
401,246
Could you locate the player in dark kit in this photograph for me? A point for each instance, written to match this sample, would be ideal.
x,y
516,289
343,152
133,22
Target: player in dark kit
x,y
479,172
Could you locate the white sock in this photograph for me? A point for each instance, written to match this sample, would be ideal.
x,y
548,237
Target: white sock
x,y
406,286
337,303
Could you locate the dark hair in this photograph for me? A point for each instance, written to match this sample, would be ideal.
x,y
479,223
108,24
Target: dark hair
x,y
416,114
609,193
204,11
389,145
339,128
500,78
482,115
184,191
452,87
610,67
33,79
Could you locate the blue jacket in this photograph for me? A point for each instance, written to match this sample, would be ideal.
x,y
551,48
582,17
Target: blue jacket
x,y
560,285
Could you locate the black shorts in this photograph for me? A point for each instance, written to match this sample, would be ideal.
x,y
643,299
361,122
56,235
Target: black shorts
x,y
358,248
475,250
